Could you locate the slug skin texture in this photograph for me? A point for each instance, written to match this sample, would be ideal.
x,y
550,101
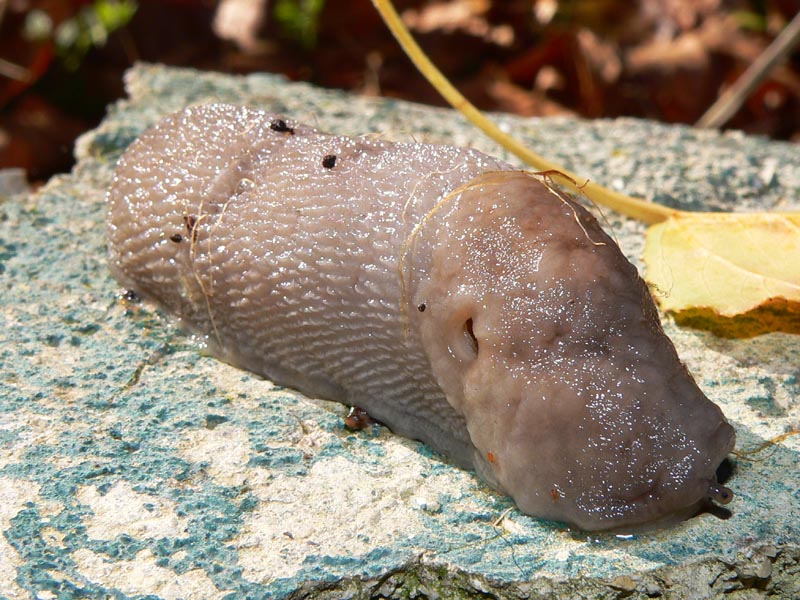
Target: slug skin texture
x,y
456,300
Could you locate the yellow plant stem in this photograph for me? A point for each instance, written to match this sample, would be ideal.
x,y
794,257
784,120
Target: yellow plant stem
x,y
642,210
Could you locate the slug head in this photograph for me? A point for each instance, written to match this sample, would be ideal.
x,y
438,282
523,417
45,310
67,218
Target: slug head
x,y
543,336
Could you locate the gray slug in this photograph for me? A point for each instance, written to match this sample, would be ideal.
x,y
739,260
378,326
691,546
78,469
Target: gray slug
x,y
456,300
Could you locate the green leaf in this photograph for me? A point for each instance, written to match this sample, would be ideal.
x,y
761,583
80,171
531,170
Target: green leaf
x,y
299,18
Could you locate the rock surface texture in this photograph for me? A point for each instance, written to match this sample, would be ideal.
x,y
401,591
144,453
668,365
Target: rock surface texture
x,y
132,464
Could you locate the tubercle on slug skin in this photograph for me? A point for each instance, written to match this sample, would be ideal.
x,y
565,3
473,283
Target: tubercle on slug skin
x,y
512,333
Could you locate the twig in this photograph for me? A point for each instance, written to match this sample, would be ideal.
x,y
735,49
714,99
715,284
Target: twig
x,y
732,99
13,71
499,519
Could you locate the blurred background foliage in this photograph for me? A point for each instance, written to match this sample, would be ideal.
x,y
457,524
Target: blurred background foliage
x,y
61,61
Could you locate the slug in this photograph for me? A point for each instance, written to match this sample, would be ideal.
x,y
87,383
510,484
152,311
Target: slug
x,y
458,301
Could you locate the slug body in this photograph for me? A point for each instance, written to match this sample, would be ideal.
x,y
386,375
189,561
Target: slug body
x,y
456,300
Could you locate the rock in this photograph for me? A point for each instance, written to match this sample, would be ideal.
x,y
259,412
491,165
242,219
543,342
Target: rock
x,y
132,464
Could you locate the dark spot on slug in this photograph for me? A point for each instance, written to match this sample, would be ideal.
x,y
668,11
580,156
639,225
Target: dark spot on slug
x,y
329,161
422,307
280,126
555,494
491,458
130,296
357,419
177,238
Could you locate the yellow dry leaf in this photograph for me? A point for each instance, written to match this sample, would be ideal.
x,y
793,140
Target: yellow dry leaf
x,y
735,274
